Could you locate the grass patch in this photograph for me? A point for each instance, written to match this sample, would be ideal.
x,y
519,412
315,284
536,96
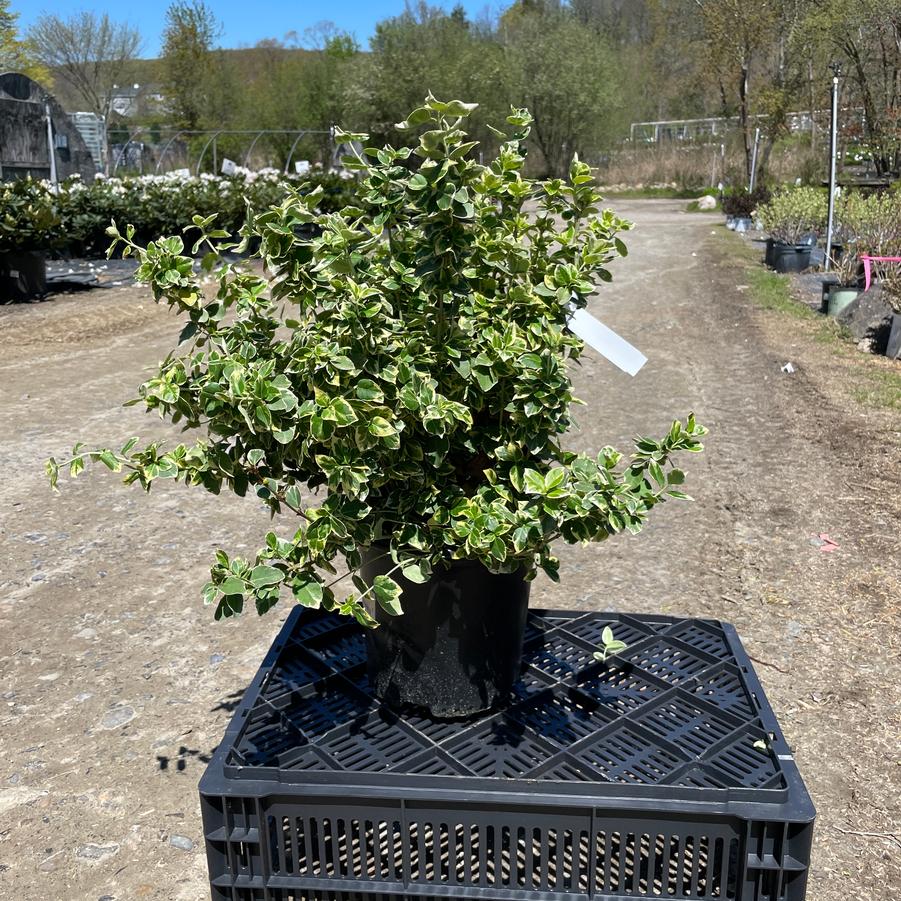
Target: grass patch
x,y
830,332
772,291
659,193
879,388
694,208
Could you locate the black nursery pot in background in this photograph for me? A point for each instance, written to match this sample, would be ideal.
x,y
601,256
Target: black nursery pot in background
x,y
457,648
790,257
23,275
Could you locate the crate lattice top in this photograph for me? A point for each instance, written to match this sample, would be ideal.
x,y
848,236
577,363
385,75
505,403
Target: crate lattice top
x,y
679,707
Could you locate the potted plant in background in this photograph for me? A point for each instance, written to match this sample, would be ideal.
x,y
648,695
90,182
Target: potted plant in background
x,y
892,293
412,359
740,204
29,227
851,216
867,225
790,217
844,286
882,233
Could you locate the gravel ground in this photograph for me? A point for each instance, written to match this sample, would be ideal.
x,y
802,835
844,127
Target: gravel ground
x,y
117,683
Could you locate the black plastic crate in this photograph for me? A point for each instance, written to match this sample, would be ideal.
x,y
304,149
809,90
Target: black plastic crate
x,y
662,773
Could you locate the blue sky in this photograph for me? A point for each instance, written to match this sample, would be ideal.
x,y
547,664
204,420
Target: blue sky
x,y
244,21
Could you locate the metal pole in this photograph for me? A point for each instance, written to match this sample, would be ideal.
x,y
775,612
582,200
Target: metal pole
x,y
120,156
54,180
833,142
165,150
104,153
754,161
253,144
203,152
290,152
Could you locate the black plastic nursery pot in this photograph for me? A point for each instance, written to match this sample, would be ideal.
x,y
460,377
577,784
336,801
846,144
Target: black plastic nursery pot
x,y
771,245
893,349
23,275
457,648
790,257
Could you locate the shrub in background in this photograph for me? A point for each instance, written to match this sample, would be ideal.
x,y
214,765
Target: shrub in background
x,y
742,203
869,224
793,213
74,218
29,219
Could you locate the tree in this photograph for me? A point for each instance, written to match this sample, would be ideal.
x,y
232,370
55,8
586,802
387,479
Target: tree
x,y
425,48
866,36
566,74
458,14
87,52
16,54
298,83
188,40
323,78
658,72
739,35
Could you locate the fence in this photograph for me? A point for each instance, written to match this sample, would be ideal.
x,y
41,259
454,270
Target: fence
x,y
715,127
150,149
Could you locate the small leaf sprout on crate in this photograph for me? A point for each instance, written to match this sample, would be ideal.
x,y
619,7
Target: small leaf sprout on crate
x,y
611,645
765,744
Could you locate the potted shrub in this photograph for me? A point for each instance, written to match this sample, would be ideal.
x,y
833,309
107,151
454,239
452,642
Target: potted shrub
x,y
29,226
851,215
892,293
411,358
864,225
790,217
891,289
740,204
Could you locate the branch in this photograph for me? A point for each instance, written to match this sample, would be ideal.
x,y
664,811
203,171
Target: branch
x,y
888,836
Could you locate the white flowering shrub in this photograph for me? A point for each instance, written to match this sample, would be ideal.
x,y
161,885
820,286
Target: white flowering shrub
x,y
73,218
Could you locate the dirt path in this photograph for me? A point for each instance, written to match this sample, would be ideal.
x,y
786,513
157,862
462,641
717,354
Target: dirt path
x,y
117,684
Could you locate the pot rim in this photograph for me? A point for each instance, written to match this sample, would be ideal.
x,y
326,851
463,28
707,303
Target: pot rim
x,y
792,246
448,562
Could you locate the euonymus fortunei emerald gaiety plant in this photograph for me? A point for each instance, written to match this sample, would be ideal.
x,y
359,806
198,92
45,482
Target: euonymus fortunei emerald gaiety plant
x,y
397,378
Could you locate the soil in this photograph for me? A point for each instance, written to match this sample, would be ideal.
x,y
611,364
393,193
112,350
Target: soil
x,y
117,684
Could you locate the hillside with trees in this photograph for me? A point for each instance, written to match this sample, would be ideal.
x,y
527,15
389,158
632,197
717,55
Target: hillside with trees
x,y
585,68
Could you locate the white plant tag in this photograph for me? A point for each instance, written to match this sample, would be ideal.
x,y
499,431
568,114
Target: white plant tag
x,y
606,342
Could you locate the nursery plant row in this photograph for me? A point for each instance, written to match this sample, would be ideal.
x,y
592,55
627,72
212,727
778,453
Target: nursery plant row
x,y
70,219
866,227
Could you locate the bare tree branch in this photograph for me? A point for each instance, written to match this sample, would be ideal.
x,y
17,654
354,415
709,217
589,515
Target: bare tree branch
x,y
90,53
